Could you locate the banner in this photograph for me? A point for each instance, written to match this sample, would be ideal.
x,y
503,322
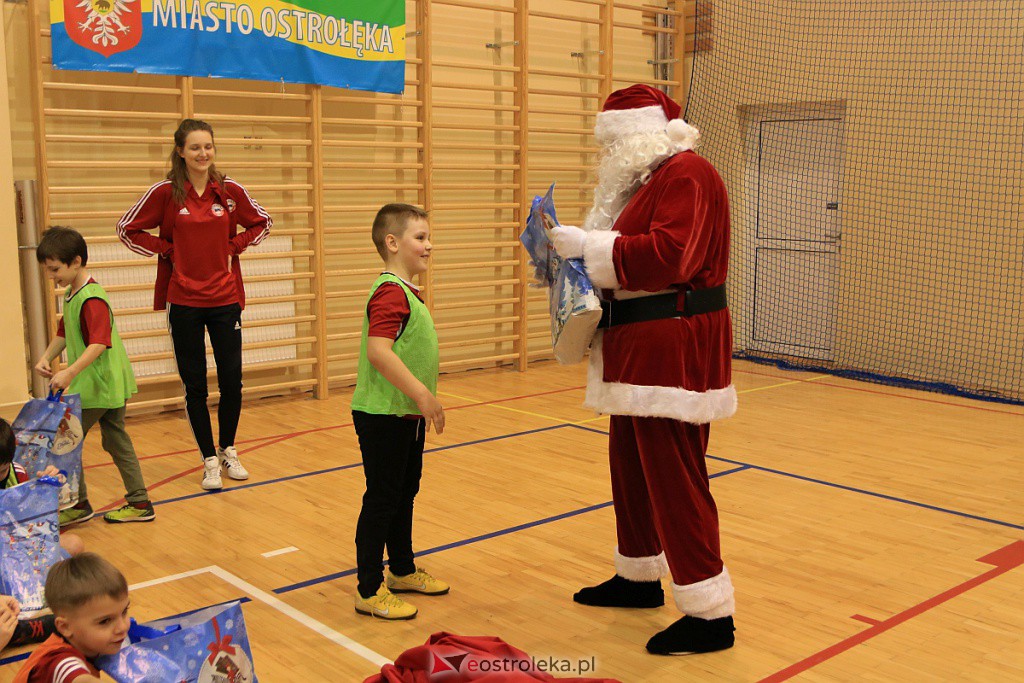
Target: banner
x,y
356,44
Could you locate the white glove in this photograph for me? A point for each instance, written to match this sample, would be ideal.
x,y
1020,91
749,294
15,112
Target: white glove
x,y
568,240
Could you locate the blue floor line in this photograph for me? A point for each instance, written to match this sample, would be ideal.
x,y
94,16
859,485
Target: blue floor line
x,y
883,496
476,539
844,487
278,480
14,658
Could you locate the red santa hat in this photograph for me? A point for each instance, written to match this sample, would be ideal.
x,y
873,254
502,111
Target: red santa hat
x,y
642,109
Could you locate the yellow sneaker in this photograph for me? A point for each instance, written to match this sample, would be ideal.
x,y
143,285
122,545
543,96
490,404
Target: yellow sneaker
x,y
385,605
417,582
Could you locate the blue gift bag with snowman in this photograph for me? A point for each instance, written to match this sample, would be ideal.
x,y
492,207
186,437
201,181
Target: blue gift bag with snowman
x,y
207,646
49,432
574,305
29,541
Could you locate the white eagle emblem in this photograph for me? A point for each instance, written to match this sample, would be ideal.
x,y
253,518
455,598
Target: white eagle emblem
x,y
103,18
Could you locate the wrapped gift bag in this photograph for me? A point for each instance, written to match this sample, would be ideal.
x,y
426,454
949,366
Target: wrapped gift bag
x,y
574,305
49,432
29,542
208,646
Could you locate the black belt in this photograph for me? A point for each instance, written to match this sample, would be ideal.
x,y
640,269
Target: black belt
x,y
662,306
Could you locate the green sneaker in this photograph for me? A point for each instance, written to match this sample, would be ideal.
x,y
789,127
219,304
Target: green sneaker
x,y
76,515
132,512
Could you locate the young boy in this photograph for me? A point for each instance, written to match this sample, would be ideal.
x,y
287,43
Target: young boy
x,y
393,405
89,599
98,370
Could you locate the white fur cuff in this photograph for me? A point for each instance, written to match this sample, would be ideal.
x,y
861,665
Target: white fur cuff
x,y
641,568
597,257
709,599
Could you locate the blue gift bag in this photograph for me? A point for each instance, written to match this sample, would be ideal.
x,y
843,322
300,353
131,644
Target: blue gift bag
x,y
208,646
29,542
574,305
49,432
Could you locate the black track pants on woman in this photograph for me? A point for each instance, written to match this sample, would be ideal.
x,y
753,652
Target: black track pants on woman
x,y
224,324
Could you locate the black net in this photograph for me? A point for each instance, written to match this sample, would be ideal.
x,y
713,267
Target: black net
x,y
874,155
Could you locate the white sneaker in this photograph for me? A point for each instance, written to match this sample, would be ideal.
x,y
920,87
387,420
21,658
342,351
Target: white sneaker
x,y
211,474
229,459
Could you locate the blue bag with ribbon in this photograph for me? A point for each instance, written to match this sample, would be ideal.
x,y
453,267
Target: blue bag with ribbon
x,y
574,305
49,432
207,646
29,541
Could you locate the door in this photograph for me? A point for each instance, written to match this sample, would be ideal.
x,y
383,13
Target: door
x,y
797,239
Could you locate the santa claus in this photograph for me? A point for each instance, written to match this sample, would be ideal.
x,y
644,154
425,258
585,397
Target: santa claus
x,y
656,241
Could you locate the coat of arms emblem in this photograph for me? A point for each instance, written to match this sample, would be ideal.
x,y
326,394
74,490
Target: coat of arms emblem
x,y
104,26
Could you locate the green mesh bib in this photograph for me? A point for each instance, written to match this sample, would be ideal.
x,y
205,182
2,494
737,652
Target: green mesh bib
x,y
108,381
416,346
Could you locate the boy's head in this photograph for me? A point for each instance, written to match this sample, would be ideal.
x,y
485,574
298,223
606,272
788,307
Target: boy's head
x,y
89,600
401,232
63,253
7,446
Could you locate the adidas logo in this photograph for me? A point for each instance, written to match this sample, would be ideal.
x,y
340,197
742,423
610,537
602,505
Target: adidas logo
x,y
184,211
238,325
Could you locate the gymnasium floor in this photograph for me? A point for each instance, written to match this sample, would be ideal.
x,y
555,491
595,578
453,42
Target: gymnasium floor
x,y
873,533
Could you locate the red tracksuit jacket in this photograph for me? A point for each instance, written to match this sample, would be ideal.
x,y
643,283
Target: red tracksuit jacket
x,y
196,241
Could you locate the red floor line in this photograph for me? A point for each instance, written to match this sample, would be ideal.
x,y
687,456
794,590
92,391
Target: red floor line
x,y
881,393
164,455
272,440
174,477
120,501
339,426
1005,559
866,620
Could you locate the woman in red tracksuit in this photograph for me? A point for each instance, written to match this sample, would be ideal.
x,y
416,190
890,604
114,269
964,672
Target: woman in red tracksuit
x,y
196,213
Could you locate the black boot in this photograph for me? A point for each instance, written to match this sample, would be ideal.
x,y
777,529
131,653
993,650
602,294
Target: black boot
x,y
691,635
620,592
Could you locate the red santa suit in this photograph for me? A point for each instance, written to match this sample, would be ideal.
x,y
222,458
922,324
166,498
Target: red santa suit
x,y
663,381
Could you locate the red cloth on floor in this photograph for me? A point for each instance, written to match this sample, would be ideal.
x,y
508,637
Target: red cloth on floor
x,y
449,658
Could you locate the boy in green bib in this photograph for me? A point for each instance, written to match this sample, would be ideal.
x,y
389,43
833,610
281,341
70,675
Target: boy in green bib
x,y
98,370
393,406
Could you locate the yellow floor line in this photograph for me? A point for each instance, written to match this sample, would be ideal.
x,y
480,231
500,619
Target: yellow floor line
x,y
783,384
602,417
496,405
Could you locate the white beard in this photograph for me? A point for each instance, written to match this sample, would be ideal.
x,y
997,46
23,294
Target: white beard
x,y
624,166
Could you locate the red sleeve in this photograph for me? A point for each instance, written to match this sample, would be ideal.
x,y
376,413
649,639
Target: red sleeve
x,y
147,214
388,311
250,215
60,328
675,248
60,665
20,475
95,322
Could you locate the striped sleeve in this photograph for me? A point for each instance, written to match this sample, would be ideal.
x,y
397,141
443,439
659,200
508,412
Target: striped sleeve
x,y
64,669
145,215
250,215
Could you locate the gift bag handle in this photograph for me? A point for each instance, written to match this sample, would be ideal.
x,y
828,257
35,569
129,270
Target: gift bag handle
x,y
138,632
54,481
55,397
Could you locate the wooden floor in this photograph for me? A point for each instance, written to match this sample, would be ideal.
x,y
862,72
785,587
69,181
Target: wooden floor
x,y
872,533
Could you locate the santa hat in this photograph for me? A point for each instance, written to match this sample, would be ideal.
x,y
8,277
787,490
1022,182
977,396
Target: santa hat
x,y
642,109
